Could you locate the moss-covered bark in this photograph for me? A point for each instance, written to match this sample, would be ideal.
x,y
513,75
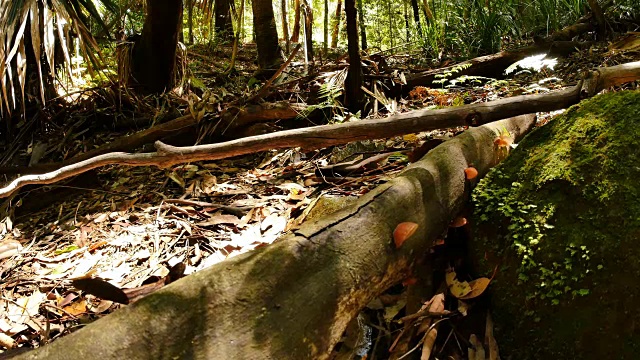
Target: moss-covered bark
x,y
561,218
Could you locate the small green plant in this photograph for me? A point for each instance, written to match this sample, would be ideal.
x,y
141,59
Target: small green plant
x,y
526,225
444,77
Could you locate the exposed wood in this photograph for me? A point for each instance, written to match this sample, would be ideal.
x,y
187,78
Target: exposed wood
x,y
325,272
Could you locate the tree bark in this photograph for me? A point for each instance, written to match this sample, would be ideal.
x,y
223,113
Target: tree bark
x,y
154,55
295,37
190,20
264,25
336,25
427,12
293,299
326,26
308,29
363,29
353,93
599,15
285,26
223,25
416,16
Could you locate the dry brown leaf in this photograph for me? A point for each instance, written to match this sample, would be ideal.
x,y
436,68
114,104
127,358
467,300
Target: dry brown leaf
x,y
478,286
76,308
457,288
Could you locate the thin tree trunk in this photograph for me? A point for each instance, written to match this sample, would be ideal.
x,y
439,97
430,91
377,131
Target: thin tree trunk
x,y
599,15
223,25
154,55
326,26
336,25
416,16
308,29
353,91
285,26
428,14
190,20
406,20
363,29
264,28
295,37
389,12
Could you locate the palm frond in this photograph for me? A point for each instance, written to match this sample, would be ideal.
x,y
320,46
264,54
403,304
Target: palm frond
x,y
46,19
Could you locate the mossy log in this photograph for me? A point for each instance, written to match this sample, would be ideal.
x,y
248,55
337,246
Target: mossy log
x,y
560,220
293,299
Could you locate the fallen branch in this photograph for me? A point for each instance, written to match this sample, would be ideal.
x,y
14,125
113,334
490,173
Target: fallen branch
x,y
328,135
293,299
493,65
232,118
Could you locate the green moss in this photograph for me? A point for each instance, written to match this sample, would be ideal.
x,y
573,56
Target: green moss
x,y
561,217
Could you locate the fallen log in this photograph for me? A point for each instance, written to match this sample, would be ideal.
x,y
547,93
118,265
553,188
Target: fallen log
x,y
327,135
293,299
491,65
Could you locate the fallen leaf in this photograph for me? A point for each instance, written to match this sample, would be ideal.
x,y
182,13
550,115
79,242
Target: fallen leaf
x,y
8,248
76,308
457,288
478,286
101,288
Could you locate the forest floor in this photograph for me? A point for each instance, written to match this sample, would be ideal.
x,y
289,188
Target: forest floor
x,y
140,228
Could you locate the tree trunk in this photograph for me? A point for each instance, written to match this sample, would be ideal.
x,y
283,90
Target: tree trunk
x,y
264,25
427,12
390,13
190,20
363,28
285,26
294,298
406,21
326,26
223,24
308,29
353,92
295,37
416,16
154,55
599,15
336,25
